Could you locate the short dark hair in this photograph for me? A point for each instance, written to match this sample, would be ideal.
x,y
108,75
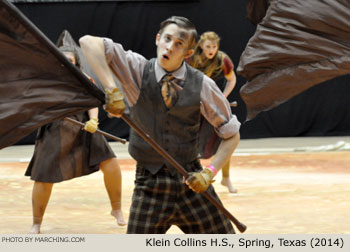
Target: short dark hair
x,y
183,23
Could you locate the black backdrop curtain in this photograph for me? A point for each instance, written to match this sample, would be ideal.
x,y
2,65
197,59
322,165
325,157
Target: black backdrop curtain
x,y
322,110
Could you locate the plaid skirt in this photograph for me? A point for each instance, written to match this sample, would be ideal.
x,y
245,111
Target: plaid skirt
x,y
161,200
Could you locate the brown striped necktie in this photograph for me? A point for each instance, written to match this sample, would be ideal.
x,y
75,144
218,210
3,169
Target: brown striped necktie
x,y
169,92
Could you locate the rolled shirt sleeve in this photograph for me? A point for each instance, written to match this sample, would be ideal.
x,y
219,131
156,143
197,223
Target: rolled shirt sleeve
x,y
127,66
216,109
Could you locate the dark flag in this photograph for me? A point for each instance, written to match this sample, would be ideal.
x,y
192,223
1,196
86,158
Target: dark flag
x,y
297,45
37,83
256,10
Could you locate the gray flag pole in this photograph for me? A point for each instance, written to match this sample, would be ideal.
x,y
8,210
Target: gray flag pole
x,y
123,141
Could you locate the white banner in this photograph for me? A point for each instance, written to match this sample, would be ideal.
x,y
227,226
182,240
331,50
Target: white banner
x,y
189,242
55,1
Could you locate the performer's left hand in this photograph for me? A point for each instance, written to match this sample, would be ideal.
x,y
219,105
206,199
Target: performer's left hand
x,y
91,125
200,181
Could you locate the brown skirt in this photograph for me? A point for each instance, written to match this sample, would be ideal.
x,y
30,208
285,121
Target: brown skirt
x,y
64,151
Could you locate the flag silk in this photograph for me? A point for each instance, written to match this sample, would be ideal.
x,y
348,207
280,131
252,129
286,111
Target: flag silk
x,y
297,45
37,83
65,39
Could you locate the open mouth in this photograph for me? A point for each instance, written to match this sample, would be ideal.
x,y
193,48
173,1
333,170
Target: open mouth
x,y
166,57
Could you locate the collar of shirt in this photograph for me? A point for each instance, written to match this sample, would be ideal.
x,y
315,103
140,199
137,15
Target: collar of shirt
x,y
178,74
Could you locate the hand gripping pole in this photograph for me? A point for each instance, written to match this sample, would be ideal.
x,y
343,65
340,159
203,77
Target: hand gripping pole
x,y
123,141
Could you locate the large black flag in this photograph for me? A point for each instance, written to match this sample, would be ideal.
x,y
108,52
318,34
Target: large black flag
x,y
37,83
297,45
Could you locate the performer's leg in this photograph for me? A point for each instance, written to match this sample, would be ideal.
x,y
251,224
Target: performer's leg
x,y
226,178
113,182
153,202
40,197
196,215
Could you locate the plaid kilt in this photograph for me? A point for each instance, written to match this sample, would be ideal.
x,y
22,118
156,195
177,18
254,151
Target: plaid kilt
x,y
162,200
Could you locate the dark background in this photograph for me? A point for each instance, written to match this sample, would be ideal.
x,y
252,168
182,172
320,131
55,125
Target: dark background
x,y
323,110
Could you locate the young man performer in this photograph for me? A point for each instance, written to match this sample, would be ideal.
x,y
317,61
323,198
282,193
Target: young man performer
x,y
167,97
63,151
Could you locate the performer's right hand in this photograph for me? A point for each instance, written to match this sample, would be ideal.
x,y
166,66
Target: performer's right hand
x,y
114,102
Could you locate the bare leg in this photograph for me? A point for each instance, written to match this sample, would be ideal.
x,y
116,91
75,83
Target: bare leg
x,y
226,177
113,182
40,197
